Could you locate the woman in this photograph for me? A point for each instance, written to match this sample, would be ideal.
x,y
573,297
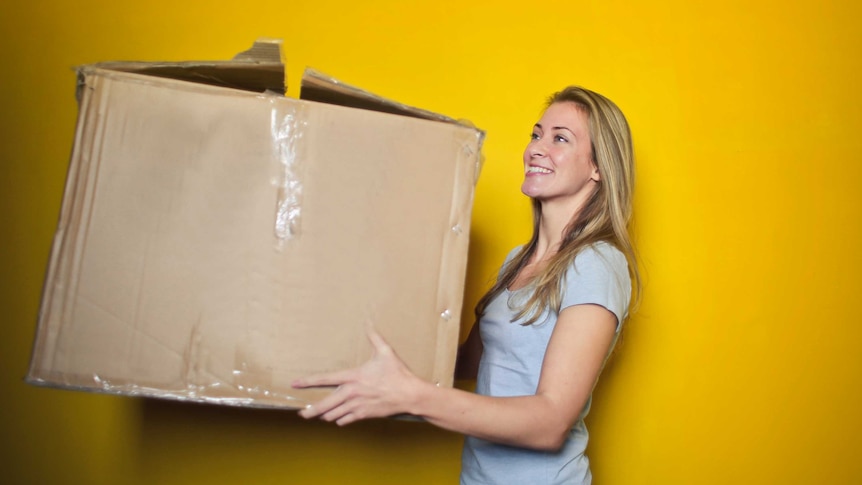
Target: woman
x,y
545,328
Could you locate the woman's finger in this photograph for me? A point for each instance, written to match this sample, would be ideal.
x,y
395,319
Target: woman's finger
x,y
346,419
378,342
325,405
338,414
336,378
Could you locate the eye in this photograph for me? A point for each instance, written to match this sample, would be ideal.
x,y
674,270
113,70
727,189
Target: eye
x,y
561,138
534,136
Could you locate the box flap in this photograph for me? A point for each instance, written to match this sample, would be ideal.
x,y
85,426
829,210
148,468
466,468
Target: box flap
x,y
258,69
320,87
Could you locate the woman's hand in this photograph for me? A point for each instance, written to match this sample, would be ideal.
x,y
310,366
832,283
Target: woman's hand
x,y
380,387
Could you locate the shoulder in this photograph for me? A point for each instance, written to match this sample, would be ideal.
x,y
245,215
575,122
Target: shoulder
x,y
600,256
509,257
599,275
512,253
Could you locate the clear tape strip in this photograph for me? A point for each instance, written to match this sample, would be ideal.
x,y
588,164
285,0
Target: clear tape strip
x,y
208,393
288,129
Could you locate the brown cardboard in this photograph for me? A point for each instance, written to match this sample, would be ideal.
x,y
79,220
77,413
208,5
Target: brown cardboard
x,y
217,242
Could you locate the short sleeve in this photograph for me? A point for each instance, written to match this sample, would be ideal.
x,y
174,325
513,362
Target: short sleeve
x,y
599,276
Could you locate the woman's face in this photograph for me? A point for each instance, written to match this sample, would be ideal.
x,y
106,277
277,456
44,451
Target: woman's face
x,y
558,160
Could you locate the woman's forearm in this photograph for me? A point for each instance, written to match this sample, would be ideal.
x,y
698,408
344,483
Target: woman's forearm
x,y
537,421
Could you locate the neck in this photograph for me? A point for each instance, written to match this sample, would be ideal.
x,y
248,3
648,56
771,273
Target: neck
x,y
556,216
551,229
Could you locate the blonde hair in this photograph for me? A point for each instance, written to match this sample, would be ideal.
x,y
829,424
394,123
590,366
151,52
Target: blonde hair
x,y
605,216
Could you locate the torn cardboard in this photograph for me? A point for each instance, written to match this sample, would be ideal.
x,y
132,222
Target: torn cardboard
x,y
218,240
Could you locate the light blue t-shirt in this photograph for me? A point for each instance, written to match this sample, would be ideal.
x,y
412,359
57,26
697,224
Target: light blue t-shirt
x,y
512,361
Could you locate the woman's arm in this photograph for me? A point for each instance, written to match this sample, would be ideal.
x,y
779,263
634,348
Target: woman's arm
x,y
384,386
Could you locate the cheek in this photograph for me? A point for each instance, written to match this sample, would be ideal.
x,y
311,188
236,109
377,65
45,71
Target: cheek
x,y
573,160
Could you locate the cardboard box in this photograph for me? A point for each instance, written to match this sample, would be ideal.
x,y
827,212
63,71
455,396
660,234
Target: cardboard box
x,y
218,240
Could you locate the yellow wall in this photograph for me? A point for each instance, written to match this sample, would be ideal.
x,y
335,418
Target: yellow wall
x,y
742,365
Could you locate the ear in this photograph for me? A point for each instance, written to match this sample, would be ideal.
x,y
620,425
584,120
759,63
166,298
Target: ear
x,y
595,176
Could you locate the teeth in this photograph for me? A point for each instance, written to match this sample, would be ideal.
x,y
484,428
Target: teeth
x,y
538,170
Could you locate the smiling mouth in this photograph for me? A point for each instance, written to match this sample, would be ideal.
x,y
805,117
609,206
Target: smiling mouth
x,y
533,169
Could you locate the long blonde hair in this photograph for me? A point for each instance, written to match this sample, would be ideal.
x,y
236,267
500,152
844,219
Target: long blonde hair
x,y
605,216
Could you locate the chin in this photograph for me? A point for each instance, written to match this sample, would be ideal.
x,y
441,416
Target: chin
x,y
530,191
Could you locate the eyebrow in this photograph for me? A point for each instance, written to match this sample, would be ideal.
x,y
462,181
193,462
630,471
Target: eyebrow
x,y
539,125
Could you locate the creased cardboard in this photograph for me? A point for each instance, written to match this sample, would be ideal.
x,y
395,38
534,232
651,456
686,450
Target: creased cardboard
x,y
218,240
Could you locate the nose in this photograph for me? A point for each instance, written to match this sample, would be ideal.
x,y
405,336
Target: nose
x,y
536,148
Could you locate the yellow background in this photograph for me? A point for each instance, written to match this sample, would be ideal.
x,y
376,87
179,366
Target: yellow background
x,y
742,365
